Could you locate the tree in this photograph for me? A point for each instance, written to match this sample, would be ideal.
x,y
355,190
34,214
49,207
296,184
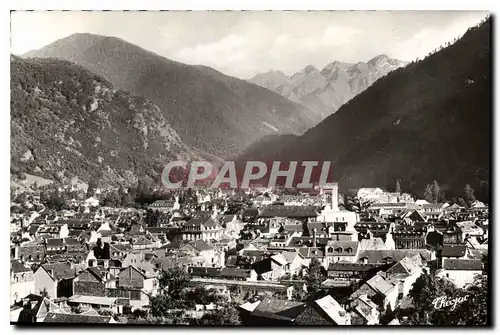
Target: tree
x,y
471,308
92,187
424,291
56,202
152,218
298,293
21,198
315,276
428,194
143,192
398,186
485,261
436,192
388,316
161,305
228,315
461,202
432,193
44,293
354,204
469,195
111,199
173,281
474,310
125,197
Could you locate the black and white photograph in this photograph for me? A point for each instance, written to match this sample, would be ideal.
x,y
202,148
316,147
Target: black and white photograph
x,y
250,168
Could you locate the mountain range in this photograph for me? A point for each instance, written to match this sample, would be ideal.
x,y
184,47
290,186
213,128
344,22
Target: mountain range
x,y
323,92
211,112
430,120
108,107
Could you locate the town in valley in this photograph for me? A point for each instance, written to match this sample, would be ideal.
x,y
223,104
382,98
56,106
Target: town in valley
x,y
251,257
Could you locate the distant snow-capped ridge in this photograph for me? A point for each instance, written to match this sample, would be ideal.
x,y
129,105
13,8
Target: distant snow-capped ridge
x,y
323,92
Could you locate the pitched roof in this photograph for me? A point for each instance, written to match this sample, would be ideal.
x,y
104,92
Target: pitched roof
x,y
287,211
250,306
364,307
319,226
54,242
161,230
279,309
121,247
311,252
378,256
33,228
453,251
251,212
141,240
163,203
342,248
301,241
416,215
205,221
148,269
333,309
375,243
463,264
468,226
351,267
71,241
290,255
394,322
50,228
280,259
293,227
380,285
233,272
17,266
96,272
405,266
169,262
94,300
219,272
60,270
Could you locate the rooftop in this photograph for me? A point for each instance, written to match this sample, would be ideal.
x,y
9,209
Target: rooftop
x,y
463,264
87,299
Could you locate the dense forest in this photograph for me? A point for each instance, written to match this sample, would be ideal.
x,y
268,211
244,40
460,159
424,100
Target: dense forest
x,y
67,121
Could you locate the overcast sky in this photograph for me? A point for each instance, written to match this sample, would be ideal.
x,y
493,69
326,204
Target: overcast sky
x,y
245,43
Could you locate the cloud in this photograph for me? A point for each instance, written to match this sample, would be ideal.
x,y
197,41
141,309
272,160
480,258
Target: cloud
x,y
338,35
245,43
427,40
228,53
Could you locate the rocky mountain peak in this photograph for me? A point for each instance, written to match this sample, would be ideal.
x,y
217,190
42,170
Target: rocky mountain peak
x,y
338,82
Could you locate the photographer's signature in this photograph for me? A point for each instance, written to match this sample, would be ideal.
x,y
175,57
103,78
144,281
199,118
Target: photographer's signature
x,y
444,301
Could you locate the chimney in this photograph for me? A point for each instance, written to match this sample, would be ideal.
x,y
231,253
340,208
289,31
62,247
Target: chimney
x,y
335,197
314,237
